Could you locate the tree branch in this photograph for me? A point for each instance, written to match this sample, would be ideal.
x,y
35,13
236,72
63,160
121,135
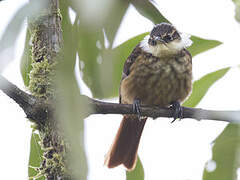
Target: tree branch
x,y
20,97
36,108
100,107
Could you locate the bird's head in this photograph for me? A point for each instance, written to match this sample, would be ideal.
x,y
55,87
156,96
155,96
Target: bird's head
x,y
164,40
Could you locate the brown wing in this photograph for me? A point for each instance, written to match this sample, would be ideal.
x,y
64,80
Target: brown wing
x,y
128,63
189,56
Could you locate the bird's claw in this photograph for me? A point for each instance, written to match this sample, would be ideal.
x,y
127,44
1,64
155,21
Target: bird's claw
x,y
136,108
177,111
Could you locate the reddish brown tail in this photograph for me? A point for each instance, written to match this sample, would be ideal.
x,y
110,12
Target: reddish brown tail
x,y
125,145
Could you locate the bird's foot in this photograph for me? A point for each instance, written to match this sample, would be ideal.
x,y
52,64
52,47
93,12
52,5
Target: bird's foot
x,y
136,108
177,110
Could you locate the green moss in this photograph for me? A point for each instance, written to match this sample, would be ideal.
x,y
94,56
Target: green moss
x,y
54,152
41,75
59,14
41,85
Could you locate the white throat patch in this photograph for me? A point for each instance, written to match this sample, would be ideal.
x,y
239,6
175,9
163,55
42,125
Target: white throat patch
x,y
168,48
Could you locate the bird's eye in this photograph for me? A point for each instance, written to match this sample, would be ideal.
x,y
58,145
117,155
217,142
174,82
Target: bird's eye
x,y
152,42
167,38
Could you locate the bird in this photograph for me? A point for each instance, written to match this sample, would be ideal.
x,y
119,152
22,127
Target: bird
x,y
157,72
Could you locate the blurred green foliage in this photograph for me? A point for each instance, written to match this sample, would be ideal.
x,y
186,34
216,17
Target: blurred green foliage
x,y
200,45
26,60
148,9
137,173
71,109
201,86
225,155
237,9
36,156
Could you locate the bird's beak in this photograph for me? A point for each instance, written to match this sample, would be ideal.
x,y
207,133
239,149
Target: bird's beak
x,y
158,39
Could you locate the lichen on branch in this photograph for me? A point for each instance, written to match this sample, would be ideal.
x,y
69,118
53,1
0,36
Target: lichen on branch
x,y
46,47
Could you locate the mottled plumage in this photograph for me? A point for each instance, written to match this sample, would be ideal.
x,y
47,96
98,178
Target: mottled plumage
x,y
154,80
158,72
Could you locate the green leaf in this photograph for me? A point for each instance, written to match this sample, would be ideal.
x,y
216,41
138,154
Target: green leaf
x,y
26,60
112,23
107,16
237,9
200,45
89,54
126,48
96,62
36,155
225,155
147,9
137,173
69,33
201,86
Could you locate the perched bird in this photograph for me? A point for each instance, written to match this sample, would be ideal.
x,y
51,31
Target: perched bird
x,y
157,72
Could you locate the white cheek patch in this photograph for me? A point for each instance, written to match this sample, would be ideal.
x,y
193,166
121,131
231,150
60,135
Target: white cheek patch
x,y
144,44
168,48
179,45
185,40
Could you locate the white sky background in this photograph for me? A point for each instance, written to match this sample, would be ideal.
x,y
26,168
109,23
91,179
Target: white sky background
x,y
168,151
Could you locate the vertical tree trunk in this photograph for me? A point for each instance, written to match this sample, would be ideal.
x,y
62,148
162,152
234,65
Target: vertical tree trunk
x,y
47,44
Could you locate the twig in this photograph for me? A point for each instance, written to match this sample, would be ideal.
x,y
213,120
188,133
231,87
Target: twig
x,y
100,107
